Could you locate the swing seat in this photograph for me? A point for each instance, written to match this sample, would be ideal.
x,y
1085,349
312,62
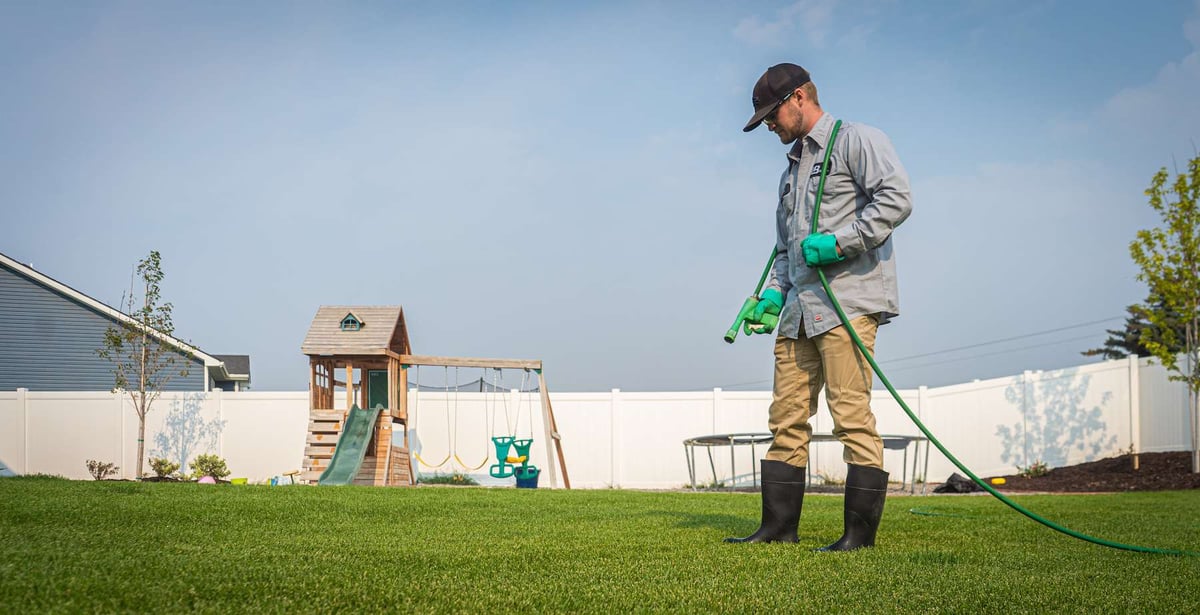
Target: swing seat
x,y
527,478
501,470
522,446
520,459
502,445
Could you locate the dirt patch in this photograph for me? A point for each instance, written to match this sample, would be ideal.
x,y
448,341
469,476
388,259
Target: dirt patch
x,y
1157,472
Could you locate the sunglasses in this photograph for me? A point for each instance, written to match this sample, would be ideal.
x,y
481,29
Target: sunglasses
x,y
770,117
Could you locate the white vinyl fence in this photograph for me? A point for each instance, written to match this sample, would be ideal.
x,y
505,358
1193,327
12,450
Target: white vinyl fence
x,y
618,438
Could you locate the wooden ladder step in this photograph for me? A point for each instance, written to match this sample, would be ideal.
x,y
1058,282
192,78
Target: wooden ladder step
x,y
322,438
324,426
318,452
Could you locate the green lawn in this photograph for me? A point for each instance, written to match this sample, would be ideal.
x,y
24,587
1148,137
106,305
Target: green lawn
x,y
121,546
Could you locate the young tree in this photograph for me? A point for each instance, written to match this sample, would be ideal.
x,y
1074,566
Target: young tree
x,y
1169,258
142,364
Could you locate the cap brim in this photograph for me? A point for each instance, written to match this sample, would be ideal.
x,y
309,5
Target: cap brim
x,y
757,118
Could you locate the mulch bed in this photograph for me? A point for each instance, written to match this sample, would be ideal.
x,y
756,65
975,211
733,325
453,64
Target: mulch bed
x,y
1157,472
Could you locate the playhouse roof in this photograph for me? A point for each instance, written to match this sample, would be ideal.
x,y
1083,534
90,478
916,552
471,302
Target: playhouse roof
x,y
381,329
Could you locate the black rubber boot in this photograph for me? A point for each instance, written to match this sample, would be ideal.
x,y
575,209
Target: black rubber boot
x,y
782,498
866,489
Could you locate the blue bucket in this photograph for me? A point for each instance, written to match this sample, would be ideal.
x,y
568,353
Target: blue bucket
x,y
527,478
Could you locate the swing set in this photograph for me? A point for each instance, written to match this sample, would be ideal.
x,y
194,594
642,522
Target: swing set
x,y
511,444
363,353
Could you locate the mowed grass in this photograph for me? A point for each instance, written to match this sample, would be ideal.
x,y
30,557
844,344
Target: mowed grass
x,y
71,546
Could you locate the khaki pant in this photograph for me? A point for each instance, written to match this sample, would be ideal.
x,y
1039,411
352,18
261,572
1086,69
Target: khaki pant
x,y
830,360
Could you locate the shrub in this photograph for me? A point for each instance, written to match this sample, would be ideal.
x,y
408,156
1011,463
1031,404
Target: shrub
x,y
163,467
101,470
1036,469
829,479
457,478
709,486
209,465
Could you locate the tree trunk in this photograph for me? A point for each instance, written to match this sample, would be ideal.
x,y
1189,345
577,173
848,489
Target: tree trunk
x,y
141,454
1193,398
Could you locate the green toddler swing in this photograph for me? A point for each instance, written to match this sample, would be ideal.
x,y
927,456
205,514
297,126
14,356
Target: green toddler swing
x,y
510,465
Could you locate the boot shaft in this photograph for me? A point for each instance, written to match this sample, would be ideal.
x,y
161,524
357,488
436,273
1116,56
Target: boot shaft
x,y
782,500
780,472
866,490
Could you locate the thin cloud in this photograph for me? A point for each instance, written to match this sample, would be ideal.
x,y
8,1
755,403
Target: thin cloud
x,y
1161,111
809,19
1168,101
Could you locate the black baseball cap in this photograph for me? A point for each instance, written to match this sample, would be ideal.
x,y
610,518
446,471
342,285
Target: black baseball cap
x,y
779,81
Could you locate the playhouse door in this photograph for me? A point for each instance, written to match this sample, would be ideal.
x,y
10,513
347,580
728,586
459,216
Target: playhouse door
x,y
377,388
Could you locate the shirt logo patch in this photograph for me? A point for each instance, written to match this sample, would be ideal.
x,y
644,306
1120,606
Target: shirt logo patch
x,y
816,169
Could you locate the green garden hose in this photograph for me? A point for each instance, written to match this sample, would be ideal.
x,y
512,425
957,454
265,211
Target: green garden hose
x,y
882,378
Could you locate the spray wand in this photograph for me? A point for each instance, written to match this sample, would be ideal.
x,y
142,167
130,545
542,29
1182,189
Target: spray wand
x,y
750,303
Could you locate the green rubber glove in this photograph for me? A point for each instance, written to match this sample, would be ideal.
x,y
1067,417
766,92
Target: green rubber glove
x,y
820,250
766,324
765,316
769,302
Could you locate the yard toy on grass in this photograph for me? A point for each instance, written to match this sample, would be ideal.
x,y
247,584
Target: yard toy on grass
x,y
363,353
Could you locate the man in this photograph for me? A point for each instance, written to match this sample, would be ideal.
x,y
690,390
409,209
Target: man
x,y
866,195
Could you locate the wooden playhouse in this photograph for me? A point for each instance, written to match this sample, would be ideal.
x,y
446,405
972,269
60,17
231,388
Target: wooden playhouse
x,y
362,345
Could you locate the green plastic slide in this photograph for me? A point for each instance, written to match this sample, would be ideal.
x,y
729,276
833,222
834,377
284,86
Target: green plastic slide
x,y
351,447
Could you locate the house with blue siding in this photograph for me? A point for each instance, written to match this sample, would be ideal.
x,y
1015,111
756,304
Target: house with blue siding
x,y
49,334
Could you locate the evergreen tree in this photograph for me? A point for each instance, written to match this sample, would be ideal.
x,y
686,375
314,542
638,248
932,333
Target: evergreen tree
x,y
1128,341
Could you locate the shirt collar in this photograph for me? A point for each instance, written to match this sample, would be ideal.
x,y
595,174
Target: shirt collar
x,y
818,135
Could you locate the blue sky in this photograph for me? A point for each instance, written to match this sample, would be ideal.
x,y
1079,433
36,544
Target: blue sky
x,y
569,181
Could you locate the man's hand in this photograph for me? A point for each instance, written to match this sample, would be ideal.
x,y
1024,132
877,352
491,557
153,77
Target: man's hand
x,y
820,250
766,324
769,302
765,316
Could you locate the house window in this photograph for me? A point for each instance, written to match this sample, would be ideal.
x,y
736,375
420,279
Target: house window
x,y
351,323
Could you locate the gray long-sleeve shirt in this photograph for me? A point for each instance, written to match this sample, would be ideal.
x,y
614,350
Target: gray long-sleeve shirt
x,y
866,196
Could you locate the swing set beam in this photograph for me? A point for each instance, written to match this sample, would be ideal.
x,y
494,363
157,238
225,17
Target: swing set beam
x,y
416,359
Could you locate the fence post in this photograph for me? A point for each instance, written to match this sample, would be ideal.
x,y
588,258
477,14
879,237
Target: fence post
x,y
1135,410
716,409
217,395
1026,407
22,399
119,397
614,409
921,392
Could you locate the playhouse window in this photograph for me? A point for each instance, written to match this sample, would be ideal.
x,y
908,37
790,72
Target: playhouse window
x,y
351,323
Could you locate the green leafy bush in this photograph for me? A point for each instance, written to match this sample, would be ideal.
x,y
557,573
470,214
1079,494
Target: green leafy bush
x,y
456,478
101,470
163,467
209,465
1034,470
